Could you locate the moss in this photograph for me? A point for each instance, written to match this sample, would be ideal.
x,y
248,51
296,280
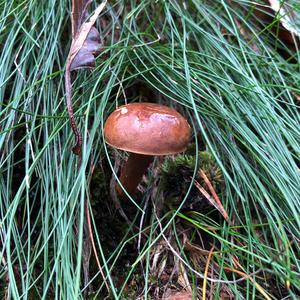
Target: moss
x,y
176,175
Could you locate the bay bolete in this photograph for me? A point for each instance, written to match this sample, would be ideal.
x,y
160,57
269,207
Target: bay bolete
x,y
145,130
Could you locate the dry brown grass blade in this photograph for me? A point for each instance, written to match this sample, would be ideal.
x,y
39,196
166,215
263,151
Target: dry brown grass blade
x,y
214,194
258,286
94,246
195,249
206,272
85,45
215,200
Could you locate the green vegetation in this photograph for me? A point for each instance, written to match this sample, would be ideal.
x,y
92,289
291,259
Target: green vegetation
x,y
237,83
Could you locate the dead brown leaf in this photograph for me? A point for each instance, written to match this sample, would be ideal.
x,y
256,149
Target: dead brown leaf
x,y
85,45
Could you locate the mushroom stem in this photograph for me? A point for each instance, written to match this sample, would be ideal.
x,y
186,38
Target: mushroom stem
x,y
132,173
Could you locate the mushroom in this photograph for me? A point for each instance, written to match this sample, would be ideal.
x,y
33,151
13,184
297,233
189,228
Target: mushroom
x,y
144,130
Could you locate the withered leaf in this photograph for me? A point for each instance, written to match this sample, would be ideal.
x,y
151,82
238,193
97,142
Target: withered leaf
x,y
86,40
85,57
85,45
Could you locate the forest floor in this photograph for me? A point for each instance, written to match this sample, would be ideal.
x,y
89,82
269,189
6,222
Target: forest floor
x,y
218,221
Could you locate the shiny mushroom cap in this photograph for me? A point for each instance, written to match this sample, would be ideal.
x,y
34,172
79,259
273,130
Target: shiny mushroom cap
x,y
147,128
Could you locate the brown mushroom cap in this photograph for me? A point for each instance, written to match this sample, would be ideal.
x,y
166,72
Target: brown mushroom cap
x,y
147,128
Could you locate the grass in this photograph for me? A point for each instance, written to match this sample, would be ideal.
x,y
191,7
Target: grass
x,y
235,80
